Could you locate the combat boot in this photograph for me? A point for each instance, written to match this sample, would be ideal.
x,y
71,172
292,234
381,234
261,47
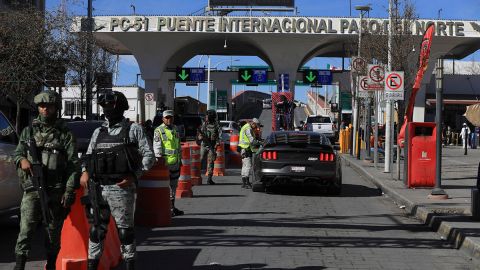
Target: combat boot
x,y
51,262
93,264
247,183
210,181
130,264
175,211
244,183
20,261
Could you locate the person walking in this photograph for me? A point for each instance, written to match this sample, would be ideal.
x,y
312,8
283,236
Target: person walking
x,y
48,168
118,154
166,144
209,136
247,142
465,133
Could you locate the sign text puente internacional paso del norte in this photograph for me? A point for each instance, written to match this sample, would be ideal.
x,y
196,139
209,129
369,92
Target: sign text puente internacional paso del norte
x,y
297,25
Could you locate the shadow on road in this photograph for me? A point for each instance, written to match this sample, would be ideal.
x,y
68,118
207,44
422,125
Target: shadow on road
x,y
348,190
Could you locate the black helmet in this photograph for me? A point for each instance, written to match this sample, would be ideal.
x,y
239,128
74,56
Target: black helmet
x,y
121,102
211,114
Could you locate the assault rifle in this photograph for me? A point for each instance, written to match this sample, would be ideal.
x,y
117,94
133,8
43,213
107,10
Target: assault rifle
x,y
205,139
94,198
39,181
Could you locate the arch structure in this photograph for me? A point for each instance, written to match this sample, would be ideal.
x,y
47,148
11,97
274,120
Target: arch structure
x,y
162,43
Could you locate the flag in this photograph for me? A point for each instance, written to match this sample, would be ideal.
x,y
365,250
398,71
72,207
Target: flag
x,y
422,67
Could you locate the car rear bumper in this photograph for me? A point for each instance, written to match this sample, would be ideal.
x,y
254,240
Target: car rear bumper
x,y
285,176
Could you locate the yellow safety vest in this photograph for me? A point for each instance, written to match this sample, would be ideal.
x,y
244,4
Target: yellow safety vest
x,y
170,144
244,141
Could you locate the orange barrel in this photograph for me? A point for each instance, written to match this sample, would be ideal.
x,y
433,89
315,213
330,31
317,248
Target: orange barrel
x,y
219,163
184,188
234,142
195,165
153,197
74,241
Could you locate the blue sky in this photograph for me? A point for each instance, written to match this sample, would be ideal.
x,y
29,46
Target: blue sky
x,y
128,67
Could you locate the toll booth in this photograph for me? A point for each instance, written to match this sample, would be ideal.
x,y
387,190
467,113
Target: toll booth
x,y
421,138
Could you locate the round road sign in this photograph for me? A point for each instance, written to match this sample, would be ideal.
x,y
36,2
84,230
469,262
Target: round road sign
x,y
394,81
376,73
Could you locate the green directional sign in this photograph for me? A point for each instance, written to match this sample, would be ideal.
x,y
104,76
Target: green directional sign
x,y
182,75
310,76
245,75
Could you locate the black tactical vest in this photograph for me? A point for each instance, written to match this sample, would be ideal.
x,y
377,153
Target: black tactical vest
x,y
112,155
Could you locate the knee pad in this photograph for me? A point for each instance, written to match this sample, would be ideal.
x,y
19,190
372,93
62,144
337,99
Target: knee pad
x,y
126,235
97,233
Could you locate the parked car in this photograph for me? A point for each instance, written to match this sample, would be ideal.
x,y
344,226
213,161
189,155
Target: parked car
x,y
83,131
322,124
227,129
10,190
297,157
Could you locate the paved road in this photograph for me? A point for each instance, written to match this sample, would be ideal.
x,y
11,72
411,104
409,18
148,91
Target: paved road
x,y
226,227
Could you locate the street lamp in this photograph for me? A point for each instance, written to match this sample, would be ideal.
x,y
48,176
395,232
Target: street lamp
x,y
208,76
356,124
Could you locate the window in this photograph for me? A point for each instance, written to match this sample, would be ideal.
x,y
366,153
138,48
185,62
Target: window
x,y
74,107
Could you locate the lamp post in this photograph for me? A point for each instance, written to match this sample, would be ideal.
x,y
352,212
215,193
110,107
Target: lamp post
x,y
356,124
208,76
389,107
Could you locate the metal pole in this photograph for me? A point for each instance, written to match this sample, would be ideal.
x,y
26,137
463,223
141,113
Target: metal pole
x,y
465,140
357,100
88,101
208,84
388,125
438,191
367,127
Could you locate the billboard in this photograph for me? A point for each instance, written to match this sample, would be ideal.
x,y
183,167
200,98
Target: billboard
x,y
271,3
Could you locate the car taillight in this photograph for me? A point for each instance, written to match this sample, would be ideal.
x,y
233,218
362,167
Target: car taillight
x,y
326,157
269,155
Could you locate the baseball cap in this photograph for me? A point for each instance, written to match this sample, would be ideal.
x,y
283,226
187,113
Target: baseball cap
x,y
256,121
167,113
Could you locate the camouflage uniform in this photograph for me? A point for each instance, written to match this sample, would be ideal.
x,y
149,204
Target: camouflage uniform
x,y
56,146
121,201
211,131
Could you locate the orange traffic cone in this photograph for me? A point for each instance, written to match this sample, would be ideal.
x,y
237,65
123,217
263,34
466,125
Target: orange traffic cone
x,y
153,197
184,189
219,163
234,143
73,254
195,165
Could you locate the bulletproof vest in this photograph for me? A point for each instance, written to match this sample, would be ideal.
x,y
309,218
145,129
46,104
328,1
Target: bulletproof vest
x,y
211,131
111,156
51,151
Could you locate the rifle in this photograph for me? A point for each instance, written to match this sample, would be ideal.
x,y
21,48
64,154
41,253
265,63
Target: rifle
x,y
39,181
93,199
205,138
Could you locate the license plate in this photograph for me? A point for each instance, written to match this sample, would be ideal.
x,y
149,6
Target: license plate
x,y
297,169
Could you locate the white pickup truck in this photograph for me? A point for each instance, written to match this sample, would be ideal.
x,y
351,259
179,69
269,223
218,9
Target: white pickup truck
x,y
321,124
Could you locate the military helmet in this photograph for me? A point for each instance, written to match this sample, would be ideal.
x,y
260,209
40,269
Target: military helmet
x,y
48,97
116,97
212,114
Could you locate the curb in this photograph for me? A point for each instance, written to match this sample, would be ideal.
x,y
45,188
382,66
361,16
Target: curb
x,y
438,219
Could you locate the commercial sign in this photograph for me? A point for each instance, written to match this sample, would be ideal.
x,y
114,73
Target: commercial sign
x,y
394,85
252,76
294,25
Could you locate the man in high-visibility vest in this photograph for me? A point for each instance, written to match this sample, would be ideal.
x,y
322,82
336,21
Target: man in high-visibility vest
x,y
248,141
166,144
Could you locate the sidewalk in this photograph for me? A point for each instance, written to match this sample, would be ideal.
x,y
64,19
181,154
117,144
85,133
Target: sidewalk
x,y
450,218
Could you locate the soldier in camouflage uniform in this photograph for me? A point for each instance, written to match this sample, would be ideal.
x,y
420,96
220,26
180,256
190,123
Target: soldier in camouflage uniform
x,y
56,146
210,138
120,152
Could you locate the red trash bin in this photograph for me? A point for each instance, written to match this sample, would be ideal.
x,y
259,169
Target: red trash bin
x,y
421,154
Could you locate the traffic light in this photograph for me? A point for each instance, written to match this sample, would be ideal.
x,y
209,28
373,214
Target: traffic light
x,y
182,75
245,75
310,76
